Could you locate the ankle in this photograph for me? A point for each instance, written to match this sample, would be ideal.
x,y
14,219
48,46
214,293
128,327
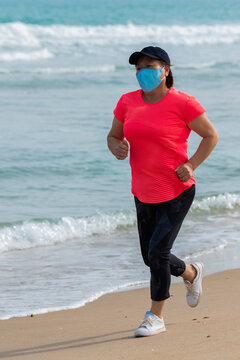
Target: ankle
x,y
194,273
157,314
157,308
190,273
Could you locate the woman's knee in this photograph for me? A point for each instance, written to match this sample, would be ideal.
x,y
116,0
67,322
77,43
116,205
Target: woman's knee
x,y
158,259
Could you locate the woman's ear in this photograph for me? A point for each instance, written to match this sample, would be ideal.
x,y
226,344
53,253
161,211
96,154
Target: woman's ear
x,y
167,70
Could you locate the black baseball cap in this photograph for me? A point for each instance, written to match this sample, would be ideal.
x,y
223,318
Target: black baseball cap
x,y
153,52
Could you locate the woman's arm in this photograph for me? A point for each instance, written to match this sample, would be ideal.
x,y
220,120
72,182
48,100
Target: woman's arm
x,y
115,140
203,127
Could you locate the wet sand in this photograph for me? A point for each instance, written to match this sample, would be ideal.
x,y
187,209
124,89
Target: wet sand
x,y
103,329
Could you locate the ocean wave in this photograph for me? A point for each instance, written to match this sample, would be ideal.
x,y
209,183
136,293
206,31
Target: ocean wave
x,y
197,66
26,56
99,69
219,202
60,70
81,39
204,252
30,234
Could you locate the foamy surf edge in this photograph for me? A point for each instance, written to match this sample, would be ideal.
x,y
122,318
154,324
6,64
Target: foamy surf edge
x,y
28,42
76,305
36,233
115,289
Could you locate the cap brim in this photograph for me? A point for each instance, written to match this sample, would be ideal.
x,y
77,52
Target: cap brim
x,y
136,56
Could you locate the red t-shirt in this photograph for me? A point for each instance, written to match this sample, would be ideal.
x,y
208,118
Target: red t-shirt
x,y
157,134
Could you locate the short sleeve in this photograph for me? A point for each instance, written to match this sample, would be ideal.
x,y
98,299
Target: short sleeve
x,y
193,109
118,111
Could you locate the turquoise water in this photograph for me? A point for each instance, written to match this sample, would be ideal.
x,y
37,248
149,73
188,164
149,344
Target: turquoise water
x,y
79,12
67,216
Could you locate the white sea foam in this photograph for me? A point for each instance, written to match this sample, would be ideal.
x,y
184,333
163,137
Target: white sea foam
x,y
205,252
132,34
95,295
198,66
60,70
26,56
17,34
90,69
220,202
44,233
124,287
32,234
57,39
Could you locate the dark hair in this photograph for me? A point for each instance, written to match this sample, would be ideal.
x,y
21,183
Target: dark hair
x,y
169,78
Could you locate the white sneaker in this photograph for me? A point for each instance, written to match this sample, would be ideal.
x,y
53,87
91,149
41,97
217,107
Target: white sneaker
x,y
151,325
194,289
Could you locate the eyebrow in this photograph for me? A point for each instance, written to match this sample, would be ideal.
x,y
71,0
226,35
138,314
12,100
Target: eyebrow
x,y
144,65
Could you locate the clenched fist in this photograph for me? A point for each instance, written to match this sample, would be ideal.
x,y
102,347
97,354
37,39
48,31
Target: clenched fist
x,y
121,150
184,171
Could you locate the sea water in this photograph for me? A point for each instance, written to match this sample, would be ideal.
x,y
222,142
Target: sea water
x,y
67,219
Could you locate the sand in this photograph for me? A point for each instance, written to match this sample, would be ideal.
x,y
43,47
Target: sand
x,y
103,329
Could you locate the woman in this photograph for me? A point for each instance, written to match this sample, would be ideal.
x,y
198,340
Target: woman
x,y
157,120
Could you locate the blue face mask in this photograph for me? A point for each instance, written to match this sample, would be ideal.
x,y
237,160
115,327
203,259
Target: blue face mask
x,y
149,79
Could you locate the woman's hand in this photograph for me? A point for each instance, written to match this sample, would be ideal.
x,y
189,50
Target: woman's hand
x,y
203,127
116,142
121,150
184,171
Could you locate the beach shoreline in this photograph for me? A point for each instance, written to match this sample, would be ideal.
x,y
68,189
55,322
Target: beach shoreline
x,y
224,259
103,329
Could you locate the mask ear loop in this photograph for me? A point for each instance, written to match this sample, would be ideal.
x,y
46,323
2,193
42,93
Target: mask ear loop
x,y
161,74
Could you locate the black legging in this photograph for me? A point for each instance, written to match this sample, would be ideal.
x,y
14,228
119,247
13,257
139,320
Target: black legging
x,y
158,226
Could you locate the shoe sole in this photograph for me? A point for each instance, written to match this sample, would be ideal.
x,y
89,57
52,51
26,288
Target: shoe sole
x,y
202,274
153,333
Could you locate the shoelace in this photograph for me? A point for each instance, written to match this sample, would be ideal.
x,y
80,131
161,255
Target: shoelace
x,y
191,290
147,321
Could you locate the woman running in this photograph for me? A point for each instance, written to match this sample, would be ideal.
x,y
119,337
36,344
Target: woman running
x,y
156,121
